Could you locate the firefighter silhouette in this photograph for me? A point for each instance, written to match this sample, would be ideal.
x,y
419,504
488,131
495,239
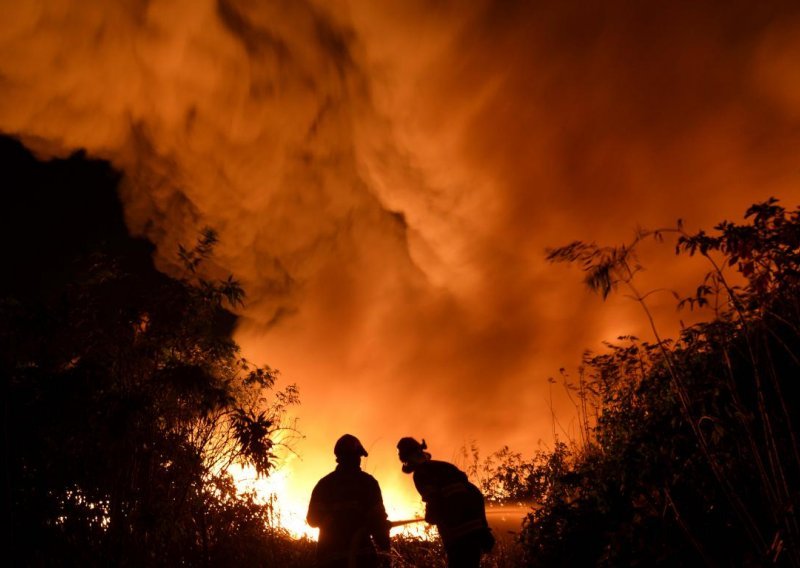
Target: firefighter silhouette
x,y
347,506
452,503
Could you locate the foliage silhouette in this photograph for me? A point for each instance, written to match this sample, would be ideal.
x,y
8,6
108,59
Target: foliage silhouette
x,y
126,397
693,457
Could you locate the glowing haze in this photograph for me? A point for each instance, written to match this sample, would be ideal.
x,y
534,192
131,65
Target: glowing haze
x,y
385,176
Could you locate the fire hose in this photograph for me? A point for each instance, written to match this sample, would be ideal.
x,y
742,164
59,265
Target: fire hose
x,y
393,524
403,522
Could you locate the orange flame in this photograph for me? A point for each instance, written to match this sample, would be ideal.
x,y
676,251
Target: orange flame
x,y
289,491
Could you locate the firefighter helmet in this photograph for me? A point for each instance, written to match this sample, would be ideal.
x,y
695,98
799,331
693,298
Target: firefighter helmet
x,y
349,445
408,447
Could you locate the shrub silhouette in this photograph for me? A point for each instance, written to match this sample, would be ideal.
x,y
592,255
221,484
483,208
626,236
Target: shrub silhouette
x,y
693,458
125,396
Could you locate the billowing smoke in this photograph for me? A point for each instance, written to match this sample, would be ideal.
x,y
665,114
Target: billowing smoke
x,y
385,176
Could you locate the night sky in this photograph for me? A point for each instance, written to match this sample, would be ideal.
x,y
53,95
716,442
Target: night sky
x,y
386,176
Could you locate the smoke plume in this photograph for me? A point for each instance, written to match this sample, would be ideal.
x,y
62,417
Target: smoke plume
x,y
385,176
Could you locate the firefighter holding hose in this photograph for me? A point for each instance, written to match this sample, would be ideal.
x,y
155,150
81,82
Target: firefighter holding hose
x,y
347,506
452,503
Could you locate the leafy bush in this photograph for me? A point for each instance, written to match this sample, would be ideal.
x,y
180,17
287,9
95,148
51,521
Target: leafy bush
x,y
693,458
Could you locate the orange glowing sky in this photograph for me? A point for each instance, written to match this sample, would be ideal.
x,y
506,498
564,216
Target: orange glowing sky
x,y
385,176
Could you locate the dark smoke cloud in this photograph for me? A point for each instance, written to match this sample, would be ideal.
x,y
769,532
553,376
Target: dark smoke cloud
x,y
386,176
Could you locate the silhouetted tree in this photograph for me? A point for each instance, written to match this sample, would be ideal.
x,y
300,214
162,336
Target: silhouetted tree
x,y
125,396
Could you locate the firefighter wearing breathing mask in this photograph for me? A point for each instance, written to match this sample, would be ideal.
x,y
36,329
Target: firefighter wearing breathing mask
x,y
452,503
347,506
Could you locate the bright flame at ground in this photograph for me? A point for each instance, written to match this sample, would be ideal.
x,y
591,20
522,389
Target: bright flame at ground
x,y
289,494
289,512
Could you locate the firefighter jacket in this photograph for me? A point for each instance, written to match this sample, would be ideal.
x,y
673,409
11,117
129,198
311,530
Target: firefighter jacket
x,y
452,503
347,506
